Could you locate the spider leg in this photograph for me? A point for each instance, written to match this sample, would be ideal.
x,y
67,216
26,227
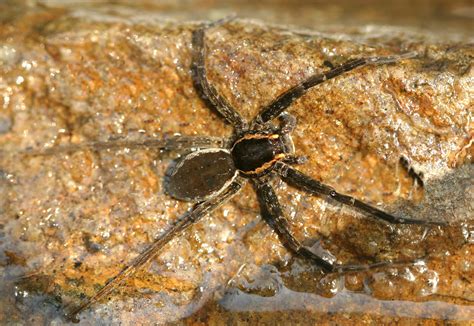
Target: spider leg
x,y
272,214
206,91
188,219
416,176
288,123
301,181
283,101
295,159
168,144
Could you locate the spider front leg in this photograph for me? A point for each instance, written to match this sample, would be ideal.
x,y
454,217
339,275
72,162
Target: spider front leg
x,y
287,123
282,102
206,91
301,181
188,219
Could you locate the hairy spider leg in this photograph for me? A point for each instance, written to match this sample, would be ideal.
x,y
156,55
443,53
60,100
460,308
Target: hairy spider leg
x,y
206,91
168,144
417,177
273,214
288,123
200,210
301,181
277,106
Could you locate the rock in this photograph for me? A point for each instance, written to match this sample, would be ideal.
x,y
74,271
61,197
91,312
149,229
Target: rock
x,y
70,221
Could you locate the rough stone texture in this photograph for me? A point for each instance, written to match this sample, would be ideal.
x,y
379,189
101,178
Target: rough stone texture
x,y
68,222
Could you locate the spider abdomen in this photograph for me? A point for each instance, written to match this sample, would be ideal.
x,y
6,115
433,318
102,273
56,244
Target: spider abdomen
x,y
199,175
256,153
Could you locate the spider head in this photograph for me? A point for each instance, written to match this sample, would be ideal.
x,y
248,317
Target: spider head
x,y
255,154
257,150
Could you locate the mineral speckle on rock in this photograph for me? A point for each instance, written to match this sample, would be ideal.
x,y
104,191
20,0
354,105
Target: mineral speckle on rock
x,y
5,125
74,73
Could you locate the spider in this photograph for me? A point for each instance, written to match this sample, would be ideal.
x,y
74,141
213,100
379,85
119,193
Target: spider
x,y
215,169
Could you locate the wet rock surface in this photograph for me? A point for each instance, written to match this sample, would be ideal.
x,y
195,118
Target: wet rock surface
x,y
70,221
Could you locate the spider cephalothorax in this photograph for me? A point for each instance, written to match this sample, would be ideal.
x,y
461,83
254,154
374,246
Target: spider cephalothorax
x,y
256,154
214,170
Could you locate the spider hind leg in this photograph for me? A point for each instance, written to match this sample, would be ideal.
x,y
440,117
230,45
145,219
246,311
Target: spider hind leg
x,y
194,215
